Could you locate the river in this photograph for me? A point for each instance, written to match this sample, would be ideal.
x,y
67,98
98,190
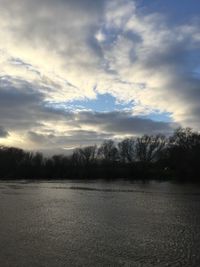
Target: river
x,y
67,223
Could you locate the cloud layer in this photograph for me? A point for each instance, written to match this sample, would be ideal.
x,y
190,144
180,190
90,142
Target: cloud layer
x,y
55,52
3,132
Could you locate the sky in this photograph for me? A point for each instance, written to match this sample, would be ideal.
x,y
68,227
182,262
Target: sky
x,y
77,72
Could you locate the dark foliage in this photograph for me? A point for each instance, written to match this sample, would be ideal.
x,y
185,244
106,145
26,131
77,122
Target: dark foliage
x,y
146,157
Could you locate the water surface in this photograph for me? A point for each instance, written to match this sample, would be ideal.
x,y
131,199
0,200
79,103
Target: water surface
x,y
99,224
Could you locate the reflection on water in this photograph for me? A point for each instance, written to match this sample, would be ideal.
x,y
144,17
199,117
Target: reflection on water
x,y
99,224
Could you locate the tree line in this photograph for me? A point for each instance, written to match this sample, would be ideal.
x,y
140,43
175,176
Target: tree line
x,y
148,157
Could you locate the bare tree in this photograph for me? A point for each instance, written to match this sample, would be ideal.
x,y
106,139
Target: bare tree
x,y
108,151
88,154
127,150
185,138
148,148
84,155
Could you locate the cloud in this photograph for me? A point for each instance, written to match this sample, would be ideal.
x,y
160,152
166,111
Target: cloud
x,y
154,62
34,124
94,128
119,123
59,51
3,133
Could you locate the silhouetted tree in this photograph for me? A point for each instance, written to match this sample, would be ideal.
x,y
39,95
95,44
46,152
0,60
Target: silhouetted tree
x,y
185,138
108,151
145,157
184,153
148,148
77,158
88,154
126,150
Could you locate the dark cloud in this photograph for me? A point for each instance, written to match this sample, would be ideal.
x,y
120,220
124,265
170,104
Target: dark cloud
x,y
23,107
112,125
51,144
3,133
39,138
124,123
